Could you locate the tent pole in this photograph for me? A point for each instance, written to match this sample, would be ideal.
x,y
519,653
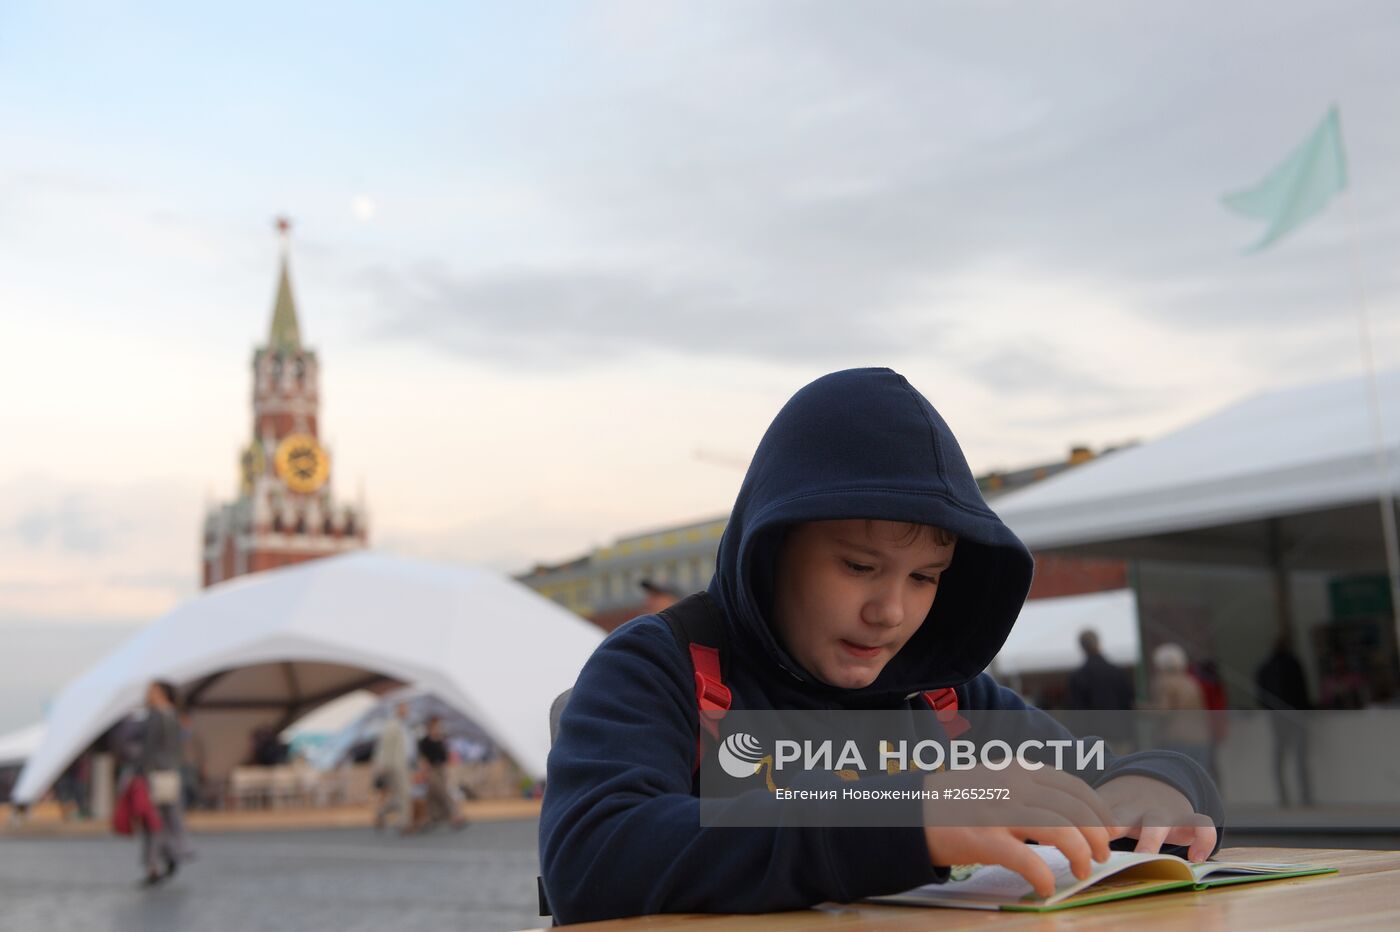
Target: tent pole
x,y
1373,404
1283,595
1142,668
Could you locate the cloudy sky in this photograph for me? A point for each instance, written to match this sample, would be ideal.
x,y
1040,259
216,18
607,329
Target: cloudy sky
x,y
563,261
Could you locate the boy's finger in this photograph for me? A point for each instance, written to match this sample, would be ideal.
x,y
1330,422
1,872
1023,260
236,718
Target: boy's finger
x,y
1203,836
1153,833
1069,839
1085,819
1098,838
1192,830
1024,861
1201,848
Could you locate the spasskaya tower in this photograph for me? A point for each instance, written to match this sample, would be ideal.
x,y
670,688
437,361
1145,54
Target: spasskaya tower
x,y
285,511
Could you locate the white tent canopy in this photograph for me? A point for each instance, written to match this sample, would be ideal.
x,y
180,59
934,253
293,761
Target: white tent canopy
x,y
16,746
1046,635
262,650
1253,473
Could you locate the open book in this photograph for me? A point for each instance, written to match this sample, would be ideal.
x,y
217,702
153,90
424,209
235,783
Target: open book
x,y
1124,874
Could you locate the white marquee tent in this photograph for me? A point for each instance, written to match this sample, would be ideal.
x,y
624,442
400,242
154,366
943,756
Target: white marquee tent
x,y
1283,478
16,746
1046,635
263,650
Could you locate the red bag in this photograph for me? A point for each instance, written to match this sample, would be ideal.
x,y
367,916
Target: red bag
x,y
134,809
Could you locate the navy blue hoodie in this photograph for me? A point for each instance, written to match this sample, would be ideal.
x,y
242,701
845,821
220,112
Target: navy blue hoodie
x,y
620,832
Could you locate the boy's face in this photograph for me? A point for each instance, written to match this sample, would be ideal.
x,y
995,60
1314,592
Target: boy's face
x,y
850,594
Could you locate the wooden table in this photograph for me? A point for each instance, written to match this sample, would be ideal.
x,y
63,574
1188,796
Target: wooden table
x,y
1365,893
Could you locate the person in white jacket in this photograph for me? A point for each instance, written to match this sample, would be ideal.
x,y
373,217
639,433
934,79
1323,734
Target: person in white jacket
x,y
391,769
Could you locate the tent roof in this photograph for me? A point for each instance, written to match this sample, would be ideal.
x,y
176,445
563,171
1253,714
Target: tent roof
x,y
16,746
1287,452
1046,635
258,648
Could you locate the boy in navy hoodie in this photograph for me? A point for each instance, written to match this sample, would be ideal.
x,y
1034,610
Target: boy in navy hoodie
x,y
857,510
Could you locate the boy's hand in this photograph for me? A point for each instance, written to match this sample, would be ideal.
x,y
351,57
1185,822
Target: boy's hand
x,y
1047,806
1006,845
1156,813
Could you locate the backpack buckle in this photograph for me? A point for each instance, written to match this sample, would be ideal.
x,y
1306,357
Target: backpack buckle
x,y
713,696
944,703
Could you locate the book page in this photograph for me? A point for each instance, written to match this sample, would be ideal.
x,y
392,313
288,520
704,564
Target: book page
x,y
1216,873
1202,871
993,886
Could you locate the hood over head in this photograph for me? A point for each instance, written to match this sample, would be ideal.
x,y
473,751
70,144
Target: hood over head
x,y
863,443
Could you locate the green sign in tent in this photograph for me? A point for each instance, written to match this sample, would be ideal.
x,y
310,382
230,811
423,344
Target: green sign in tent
x,y
1359,596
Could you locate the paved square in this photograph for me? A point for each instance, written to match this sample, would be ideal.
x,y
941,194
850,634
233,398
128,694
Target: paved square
x,y
341,879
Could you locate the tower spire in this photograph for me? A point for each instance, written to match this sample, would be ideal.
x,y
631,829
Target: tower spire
x,y
285,335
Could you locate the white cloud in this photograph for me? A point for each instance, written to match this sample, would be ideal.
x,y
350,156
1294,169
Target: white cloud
x,y
79,551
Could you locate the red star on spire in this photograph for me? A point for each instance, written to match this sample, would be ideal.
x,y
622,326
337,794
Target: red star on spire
x,y
284,225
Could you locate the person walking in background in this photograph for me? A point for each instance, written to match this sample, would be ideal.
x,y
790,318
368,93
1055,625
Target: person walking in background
x,y
68,790
1343,687
1175,691
159,762
1282,689
391,770
432,762
1207,674
268,748
1100,686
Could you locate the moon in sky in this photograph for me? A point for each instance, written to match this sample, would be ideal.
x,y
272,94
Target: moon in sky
x,y
363,207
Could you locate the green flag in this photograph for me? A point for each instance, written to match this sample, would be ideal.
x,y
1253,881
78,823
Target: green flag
x,y
1300,186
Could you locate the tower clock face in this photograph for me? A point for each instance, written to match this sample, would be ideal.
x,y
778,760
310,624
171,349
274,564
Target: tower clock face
x,y
301,463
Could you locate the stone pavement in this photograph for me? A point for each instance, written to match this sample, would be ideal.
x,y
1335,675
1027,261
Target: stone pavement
x,y
340,879
45,818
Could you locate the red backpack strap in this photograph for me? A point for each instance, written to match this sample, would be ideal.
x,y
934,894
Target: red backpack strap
x,y
712,697
944,703
698,627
